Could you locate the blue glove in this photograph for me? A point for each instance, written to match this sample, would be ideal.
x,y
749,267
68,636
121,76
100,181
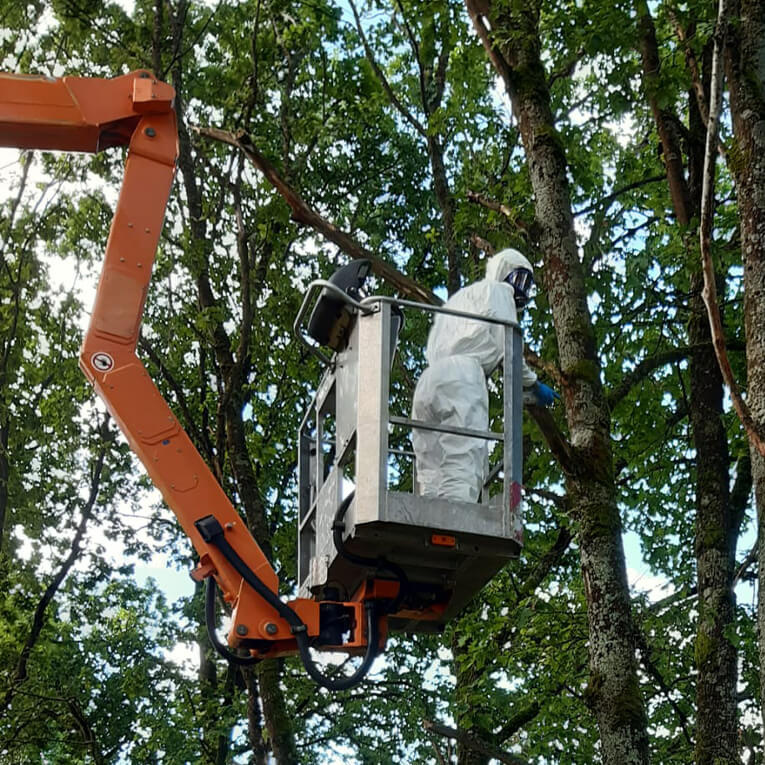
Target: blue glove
x,y
543,394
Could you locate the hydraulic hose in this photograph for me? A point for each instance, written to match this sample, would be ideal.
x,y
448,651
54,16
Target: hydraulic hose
x,y
343,682
338,527
212,533
217,643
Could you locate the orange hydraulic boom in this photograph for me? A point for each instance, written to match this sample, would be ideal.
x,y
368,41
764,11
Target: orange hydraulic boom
x,y
83,114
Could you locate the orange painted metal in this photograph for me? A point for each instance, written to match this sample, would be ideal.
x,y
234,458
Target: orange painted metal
x,y
76,114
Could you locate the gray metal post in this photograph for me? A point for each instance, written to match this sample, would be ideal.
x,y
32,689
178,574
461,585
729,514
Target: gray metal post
x,y
513,445
372,415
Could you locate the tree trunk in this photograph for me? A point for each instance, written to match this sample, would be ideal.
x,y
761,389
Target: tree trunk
x,y
277,720
716,527
614,689
745,70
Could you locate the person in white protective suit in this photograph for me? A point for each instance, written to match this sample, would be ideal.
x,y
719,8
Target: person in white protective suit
x,y
452,390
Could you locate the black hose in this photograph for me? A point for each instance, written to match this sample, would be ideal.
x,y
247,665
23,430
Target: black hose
x,y
338,526
212,533
217,643
343,682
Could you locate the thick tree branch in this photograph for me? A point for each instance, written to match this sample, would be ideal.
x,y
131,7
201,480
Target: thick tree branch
x,y
512,216
302,213
518,719
483,244
666,123
693,66
473,742
86,731
548,367
481,26
490,204
556,441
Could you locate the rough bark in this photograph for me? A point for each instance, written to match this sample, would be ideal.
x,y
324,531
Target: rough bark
x,y
666,122
715,547
745,71
614,688
716,521
254,719
275,713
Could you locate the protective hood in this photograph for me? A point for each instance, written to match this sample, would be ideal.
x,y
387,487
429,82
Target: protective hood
x,y
500,265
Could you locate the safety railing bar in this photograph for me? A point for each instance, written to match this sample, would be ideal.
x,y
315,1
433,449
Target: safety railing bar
x,y
372,299
486,435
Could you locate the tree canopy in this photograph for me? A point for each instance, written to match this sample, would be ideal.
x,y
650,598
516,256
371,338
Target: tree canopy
x,y
426,135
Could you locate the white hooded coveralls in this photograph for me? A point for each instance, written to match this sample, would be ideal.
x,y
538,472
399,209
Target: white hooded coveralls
x,y
452,390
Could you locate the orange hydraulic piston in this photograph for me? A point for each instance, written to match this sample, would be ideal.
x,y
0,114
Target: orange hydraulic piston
x,y
80,114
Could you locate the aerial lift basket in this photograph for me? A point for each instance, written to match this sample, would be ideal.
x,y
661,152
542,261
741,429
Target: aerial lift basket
x,y
448,549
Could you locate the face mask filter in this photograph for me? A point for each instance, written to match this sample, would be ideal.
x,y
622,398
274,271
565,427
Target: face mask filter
x,y
522,282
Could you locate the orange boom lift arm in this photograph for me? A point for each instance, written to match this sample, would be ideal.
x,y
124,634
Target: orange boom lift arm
x,y
84,114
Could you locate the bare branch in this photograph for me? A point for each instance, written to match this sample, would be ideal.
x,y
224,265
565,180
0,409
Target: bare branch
x,y
480,24
693,67
490,204
482,244
561,449
667,125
